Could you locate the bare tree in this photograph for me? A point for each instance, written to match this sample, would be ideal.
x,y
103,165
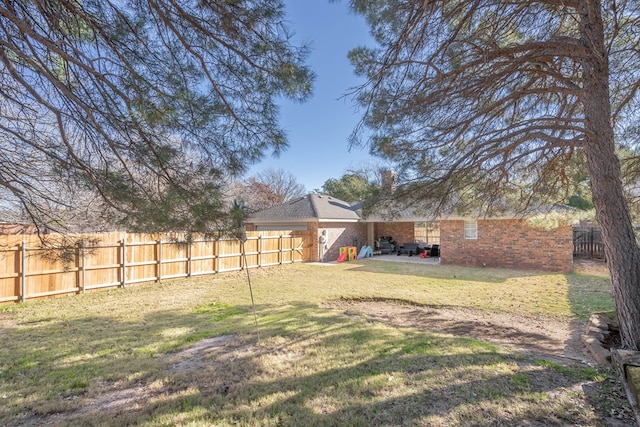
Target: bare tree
x,y
147,104
485,101
270,187
257,196
282,183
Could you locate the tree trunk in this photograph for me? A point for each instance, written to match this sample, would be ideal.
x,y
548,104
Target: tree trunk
x,y
621,248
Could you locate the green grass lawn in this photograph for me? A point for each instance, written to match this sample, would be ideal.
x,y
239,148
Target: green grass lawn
x,y
132,356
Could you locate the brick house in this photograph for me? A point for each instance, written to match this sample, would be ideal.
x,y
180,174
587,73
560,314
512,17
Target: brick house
x,y
333,223
492,242
483,242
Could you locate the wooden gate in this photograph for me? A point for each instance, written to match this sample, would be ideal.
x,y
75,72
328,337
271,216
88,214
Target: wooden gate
x,y
587,242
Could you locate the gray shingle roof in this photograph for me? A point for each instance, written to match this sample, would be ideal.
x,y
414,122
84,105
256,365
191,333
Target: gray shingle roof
x,y
314,207
396,213
308,208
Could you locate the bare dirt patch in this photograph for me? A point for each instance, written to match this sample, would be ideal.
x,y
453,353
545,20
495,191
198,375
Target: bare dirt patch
x,y
199,356
534,335
531,337
113,399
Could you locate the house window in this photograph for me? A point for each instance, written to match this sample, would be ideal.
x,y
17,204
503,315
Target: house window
x,y
427,232
471,230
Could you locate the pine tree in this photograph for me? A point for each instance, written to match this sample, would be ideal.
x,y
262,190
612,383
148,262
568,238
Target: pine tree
x,y
484,102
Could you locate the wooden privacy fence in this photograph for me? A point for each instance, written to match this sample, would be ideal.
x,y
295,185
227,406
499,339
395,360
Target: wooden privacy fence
x,y
119,259
587,242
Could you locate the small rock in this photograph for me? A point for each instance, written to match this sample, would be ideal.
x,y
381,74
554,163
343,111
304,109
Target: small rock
x,y
601,354
599,321
595,333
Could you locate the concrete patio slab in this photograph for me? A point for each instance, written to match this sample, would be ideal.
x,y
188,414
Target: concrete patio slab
x,y
390,258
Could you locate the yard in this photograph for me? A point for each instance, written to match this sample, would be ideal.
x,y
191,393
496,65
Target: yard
x,y
361,343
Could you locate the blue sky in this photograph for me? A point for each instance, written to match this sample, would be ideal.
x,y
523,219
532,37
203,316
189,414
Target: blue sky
x,y
318,130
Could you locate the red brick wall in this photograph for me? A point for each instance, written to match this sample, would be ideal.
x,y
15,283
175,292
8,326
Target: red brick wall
x,y
507,244
401,232
341,234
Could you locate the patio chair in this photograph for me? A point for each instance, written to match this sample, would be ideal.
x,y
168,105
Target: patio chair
x,y
434,251
408,248
386,247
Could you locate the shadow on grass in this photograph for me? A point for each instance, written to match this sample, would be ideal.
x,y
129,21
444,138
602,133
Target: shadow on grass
x,y
310,367
589,294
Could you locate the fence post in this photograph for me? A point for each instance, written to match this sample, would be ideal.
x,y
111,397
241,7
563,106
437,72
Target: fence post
x,y
159,263
280,250
189,252
293,248
79,268
216,254
23,273
123,254
82,258
260,248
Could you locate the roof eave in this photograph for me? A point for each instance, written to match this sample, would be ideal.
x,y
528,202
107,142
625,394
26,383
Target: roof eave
x,y
280,221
